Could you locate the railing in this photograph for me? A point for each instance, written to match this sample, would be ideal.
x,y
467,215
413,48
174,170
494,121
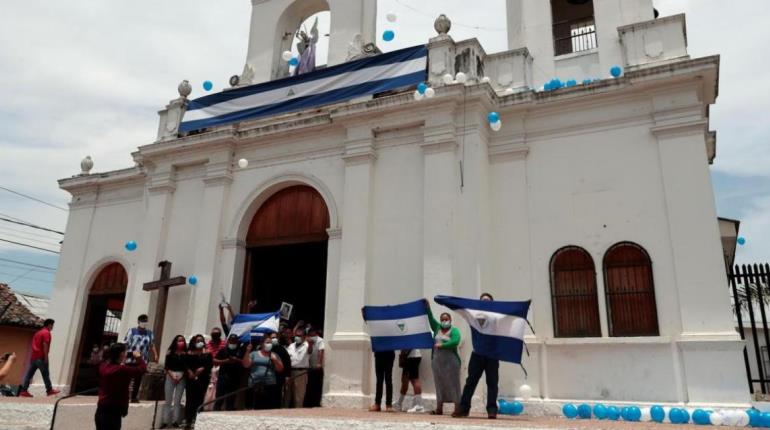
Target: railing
x,y
232,393
575,35
750,288
56,405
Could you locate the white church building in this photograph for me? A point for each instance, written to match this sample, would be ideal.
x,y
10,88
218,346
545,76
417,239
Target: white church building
x,y
593,200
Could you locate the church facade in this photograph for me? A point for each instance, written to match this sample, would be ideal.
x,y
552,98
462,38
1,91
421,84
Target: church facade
x,y
593,200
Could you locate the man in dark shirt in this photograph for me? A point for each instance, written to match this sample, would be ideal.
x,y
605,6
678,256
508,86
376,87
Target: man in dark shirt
x,y
114,379
230,369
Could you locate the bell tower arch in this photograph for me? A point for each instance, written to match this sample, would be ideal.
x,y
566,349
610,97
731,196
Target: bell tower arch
x,y
274,23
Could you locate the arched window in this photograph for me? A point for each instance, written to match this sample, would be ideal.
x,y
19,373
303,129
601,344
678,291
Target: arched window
x,y
631,309
573,294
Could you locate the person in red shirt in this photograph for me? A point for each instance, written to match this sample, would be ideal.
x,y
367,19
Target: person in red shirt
x,y
38,359
114,378
216,343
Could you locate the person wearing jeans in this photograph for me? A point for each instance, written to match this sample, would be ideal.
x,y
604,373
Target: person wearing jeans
x,y
175,382
38,359
383,371
140,339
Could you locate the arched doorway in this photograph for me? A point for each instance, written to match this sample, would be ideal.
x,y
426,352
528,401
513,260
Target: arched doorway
x,y
102,319
286,253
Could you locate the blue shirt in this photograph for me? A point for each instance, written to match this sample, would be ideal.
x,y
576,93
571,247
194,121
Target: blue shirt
x,y
137,340
261,371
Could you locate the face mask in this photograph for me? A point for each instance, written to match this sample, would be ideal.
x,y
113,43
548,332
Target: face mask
x,y
297,340
314,338
200,345
446,324
180,346
232,346
274,341
142,325
216,335
268,347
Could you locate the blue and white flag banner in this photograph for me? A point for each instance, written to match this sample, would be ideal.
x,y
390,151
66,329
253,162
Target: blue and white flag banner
x,y
397,327
497,328
244,325
342,82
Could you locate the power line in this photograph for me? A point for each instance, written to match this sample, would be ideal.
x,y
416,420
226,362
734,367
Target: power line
x,y
28,246
27,264
26,224
33,198
42,242
27,233
12,267
24,277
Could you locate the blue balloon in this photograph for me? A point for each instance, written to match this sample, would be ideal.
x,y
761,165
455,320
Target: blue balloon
x,y
421,87
765,419
587,81
616,71
657,413
685,416
131,245
493,117
700,417
675,416
624,413
517,408
584,411
570,411
207,85
192,280
547,86
633,414
600,411
294,61
613,413
556,83
571,83
388,35
755,417
741,241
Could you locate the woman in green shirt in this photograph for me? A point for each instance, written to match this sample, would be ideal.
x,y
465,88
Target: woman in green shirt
x,y
446,361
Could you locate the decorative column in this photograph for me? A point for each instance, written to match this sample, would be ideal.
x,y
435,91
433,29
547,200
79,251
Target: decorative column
x,y
204,299
350,362
171,116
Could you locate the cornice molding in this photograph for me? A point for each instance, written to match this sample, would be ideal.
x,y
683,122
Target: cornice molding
x,y
680,129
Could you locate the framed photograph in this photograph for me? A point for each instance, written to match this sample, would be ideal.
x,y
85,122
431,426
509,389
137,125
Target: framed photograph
x,y
286,309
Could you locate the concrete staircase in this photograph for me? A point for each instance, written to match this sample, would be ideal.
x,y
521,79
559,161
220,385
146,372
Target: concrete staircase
x,y
73,414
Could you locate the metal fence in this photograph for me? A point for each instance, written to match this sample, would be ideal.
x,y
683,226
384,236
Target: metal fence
x,y
574,36
750,288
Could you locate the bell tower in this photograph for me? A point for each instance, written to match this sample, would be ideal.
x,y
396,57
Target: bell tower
x,y
274,23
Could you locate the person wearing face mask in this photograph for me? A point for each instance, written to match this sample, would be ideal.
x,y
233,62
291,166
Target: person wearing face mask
x,y
283,375
315,377
477,365
216,343
175,382
230,365
198,362
445,361
141,339
263,366
299,351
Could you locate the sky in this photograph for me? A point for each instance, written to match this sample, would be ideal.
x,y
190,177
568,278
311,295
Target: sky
x,y
87,77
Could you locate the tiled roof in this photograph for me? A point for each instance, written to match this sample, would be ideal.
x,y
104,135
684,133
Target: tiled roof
x,y
14,313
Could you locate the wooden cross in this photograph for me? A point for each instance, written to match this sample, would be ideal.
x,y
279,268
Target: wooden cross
x,y
162,285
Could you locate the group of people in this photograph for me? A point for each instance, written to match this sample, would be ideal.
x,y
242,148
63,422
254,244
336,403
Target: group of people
x,y
273,370
445,364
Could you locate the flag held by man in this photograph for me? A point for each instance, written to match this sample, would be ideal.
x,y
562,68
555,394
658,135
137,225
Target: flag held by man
x,y
404,326
497,328
245,324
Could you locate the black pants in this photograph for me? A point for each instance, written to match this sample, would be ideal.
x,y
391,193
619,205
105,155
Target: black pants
x,y
136,383
315,386
383,371
107,418
227,383
267,396
478,365
195,391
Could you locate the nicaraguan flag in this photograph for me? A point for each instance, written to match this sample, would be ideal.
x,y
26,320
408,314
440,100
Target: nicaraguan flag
x,y
342,82
399,327
244,325
497,328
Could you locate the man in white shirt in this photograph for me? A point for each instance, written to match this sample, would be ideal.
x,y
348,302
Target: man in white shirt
x,y
316,375
300,352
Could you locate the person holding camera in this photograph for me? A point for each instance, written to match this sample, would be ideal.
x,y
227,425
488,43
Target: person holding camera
x,y
114,379
6,363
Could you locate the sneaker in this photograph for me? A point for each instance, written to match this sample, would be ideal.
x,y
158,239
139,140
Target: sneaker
x,y
397,407
416,409
372,408
52,392
25,394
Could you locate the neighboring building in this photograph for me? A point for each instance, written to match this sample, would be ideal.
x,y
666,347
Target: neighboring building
x,y
728,231
17,326
595,201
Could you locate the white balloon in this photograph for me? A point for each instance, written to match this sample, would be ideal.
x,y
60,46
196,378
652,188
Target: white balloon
x,y
430,92
666,411
418,96
485,80
496,126
525,391
508,91
730,418
743,419
461,77
243,163
716,419
391,17
286,55
646,416
448,79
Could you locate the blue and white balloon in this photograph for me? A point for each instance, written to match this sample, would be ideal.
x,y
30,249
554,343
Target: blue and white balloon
x,y
294,62
422,87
